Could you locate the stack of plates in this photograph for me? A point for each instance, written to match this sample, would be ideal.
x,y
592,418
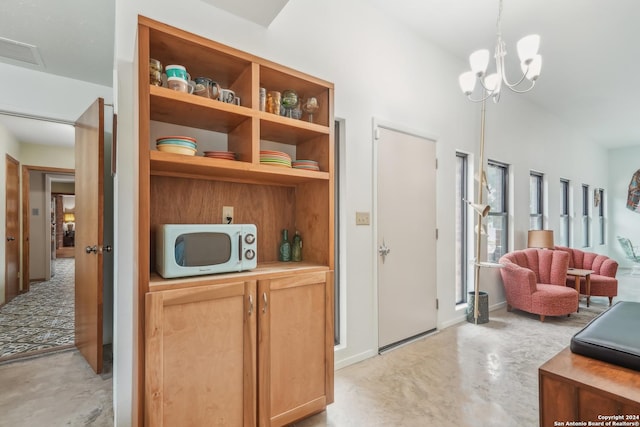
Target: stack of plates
x,y
275,158
311,165
177,144
226,155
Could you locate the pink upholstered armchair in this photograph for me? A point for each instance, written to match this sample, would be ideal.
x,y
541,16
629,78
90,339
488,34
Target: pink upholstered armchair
x,y
603,279
534,281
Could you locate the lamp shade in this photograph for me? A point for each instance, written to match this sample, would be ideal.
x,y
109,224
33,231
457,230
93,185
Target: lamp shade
x,y
69,217
540,239
532,70
528,48
479,61
467,82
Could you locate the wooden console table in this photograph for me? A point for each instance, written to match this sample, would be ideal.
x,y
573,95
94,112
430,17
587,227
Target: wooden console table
x,y
575,388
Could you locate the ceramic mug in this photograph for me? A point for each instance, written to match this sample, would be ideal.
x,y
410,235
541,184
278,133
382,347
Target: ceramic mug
x,y
177,71
228,96
180,85
207,87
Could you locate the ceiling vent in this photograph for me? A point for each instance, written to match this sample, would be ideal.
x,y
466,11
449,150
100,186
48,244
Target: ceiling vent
x,y
19,53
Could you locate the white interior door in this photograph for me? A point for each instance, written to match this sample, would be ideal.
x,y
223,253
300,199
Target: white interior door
x,y
406,228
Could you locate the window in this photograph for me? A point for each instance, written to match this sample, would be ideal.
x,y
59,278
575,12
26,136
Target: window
x,y
599,202
536,201
585,216
498,219
564,212
461,227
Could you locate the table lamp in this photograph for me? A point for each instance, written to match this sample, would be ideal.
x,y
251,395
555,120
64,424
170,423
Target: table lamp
x,y
542,239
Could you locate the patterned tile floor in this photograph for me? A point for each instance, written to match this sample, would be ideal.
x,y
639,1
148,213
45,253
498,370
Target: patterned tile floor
x,y
42,319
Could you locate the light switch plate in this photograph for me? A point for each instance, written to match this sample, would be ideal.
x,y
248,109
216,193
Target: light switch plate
x,y
227,214
362,218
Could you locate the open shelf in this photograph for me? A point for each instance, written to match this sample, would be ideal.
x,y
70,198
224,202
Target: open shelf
x,y
288,131
184,109
198,167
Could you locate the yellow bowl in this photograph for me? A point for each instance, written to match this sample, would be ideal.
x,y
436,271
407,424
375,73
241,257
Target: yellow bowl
x,y
176,149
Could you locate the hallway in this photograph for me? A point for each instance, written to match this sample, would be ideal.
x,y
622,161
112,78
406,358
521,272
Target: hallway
x,y
42,319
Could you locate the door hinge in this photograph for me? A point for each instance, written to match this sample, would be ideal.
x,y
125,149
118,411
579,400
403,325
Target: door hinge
x,y
376,133
437,303
436,163
436,234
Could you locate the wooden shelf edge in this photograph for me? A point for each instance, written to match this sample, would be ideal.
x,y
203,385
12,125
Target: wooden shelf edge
x,y
268,270
168,164
294,123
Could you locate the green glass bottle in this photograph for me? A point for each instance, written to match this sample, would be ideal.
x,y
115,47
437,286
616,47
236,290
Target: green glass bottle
x,y
296,249
285,247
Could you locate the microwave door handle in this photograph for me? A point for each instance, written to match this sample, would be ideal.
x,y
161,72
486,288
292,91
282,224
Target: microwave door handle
x,y
239,247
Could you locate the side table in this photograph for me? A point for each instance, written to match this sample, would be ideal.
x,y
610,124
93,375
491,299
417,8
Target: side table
x,y
578,273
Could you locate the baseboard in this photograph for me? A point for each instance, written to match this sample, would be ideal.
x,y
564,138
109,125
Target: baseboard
x,y
463,318
343,363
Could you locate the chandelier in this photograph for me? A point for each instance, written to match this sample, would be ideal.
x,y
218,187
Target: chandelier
x,y
530,64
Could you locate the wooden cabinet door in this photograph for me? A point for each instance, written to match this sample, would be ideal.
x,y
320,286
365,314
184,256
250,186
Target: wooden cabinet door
x,y
295,347
200,356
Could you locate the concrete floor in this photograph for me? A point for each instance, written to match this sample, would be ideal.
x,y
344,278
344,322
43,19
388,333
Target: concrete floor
x,y
57,389
466,375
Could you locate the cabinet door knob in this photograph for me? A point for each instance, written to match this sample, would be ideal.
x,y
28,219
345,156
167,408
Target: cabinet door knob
x,y
264,299
250,305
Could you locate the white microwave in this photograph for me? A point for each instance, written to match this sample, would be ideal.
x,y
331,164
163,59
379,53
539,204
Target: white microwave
x,y
198,249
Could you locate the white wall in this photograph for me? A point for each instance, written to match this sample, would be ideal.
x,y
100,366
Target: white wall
x,y
622,164
8,145
379,70
39,234
47,156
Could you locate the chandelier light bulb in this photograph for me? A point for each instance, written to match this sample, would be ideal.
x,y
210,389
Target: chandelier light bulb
x,y
479,61
491,83
532,71
467,82
528,48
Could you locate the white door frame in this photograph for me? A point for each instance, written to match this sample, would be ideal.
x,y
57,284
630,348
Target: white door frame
x,y
379,123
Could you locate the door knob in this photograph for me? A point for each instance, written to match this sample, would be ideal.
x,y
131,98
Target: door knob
x,y
10,239
107,248
383,250
90,249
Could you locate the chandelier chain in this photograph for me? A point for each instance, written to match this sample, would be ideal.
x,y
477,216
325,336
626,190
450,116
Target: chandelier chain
x,y
498,26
